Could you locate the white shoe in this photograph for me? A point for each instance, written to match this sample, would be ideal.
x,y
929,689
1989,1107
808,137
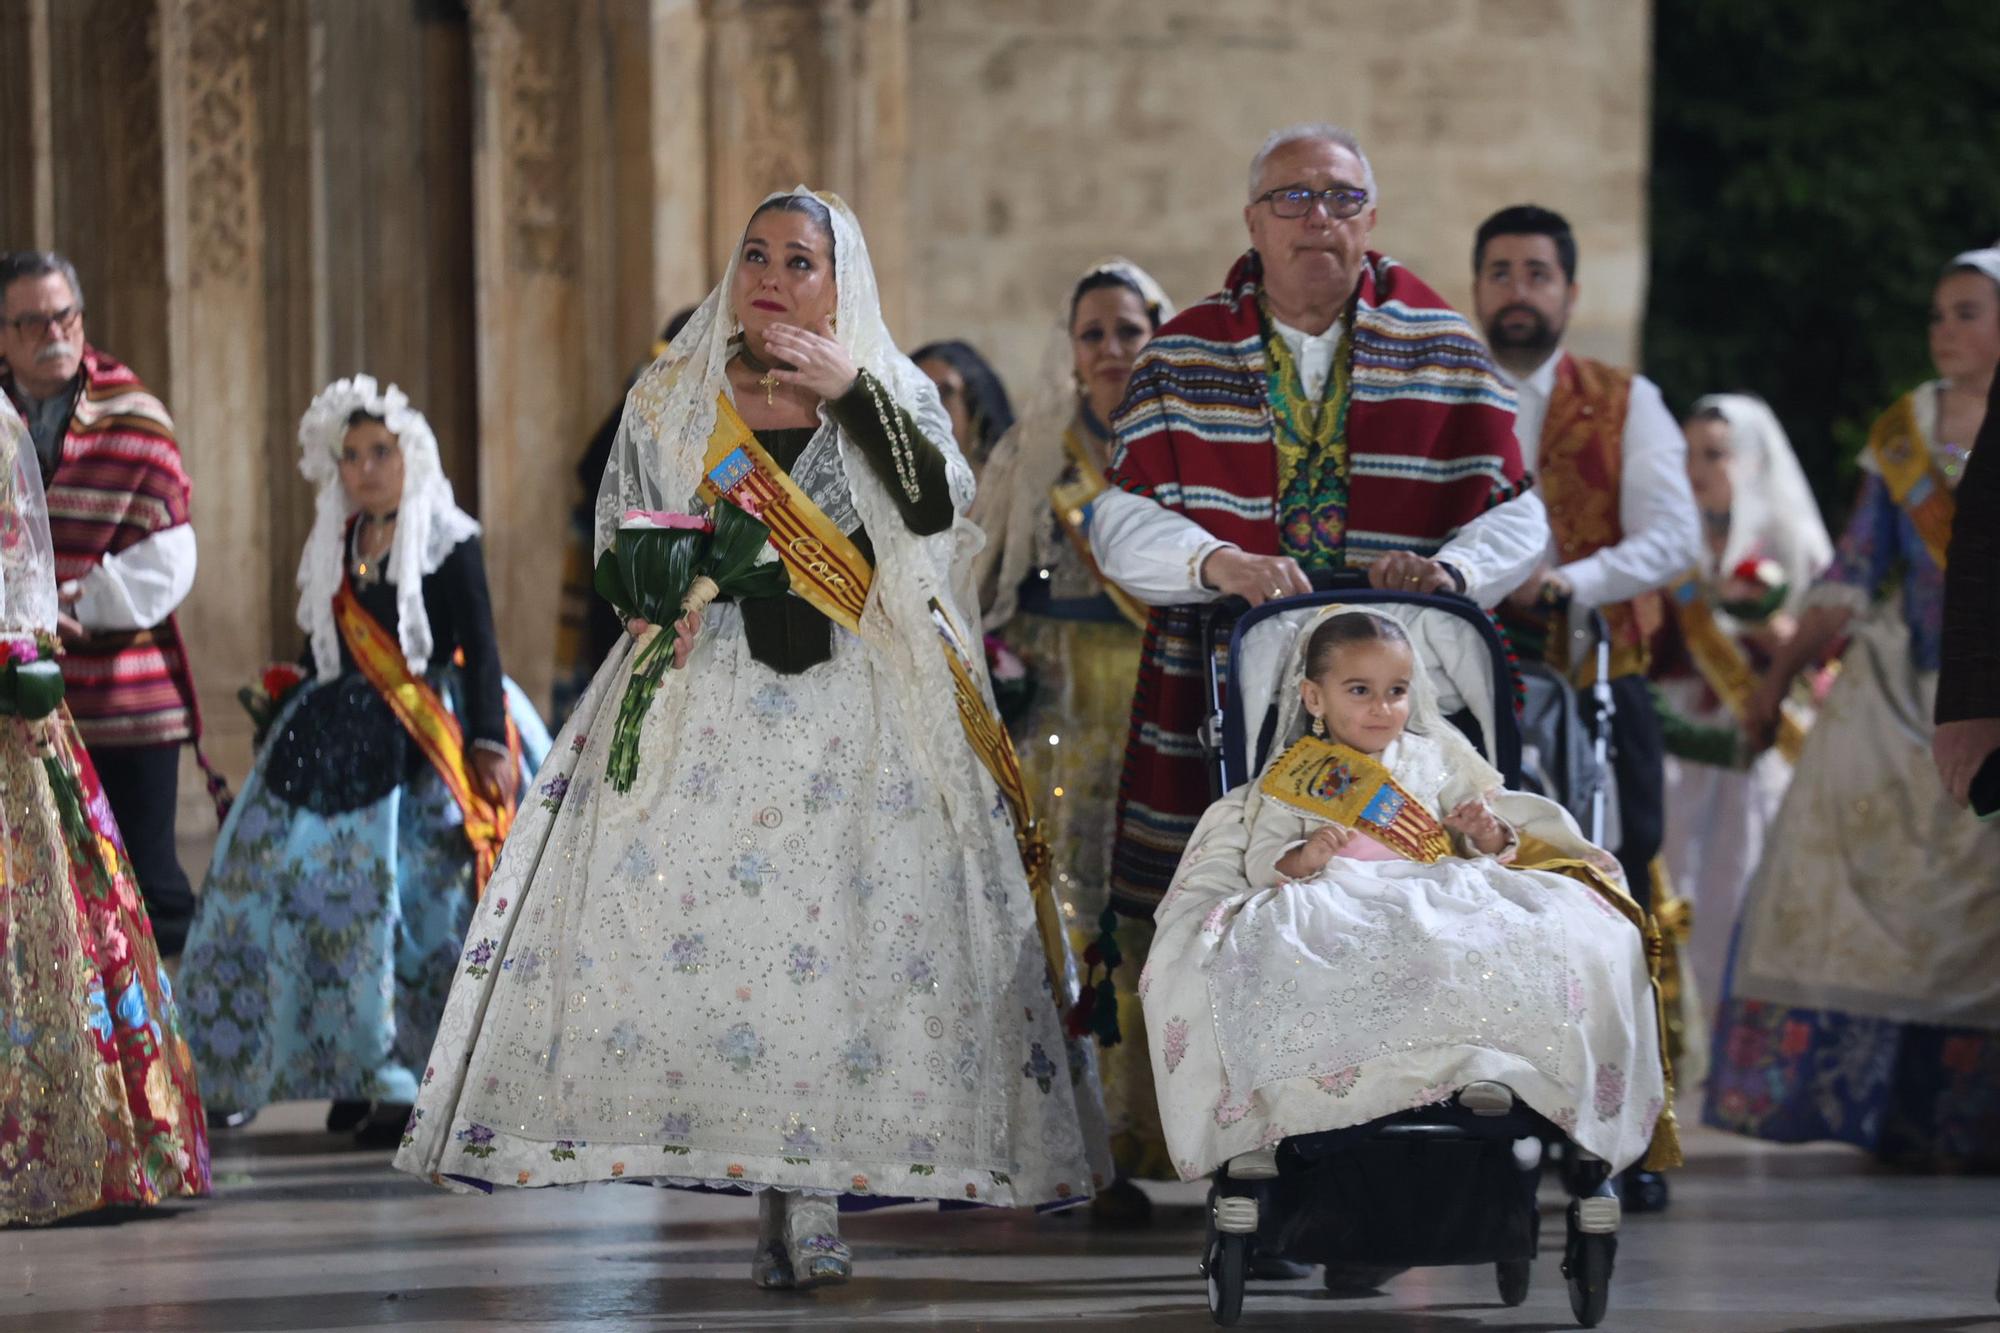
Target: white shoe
x,y
1259,1165
1486,1098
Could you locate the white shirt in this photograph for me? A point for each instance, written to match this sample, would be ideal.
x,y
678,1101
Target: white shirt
x,y
1312,352
138,587
1155,554
1656,508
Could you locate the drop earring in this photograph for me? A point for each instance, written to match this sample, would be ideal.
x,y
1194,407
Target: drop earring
x,y
1319,726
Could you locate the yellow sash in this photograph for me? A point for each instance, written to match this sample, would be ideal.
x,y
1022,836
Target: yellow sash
x,y
1912,475
1333,781
1722,664
430,724
829,571
1072,501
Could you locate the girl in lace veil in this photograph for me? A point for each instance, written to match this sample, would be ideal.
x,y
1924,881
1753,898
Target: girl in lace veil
x,y
1314,973
1764,547
799,955
98,1086
346,872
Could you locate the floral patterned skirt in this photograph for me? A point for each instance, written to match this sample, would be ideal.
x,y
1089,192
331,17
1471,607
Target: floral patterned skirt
x,y
1863,1005
325,940
1916,1095
97,1091
771,962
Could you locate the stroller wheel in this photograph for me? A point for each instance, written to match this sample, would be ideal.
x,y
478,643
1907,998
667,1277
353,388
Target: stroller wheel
x,y
1513,1275
1587,1260
1223,1266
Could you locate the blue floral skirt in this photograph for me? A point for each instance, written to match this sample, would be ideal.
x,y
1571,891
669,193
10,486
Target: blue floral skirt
x,y
1917,1095
334,908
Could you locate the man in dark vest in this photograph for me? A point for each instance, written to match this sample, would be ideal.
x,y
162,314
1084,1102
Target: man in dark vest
x,y
1610,464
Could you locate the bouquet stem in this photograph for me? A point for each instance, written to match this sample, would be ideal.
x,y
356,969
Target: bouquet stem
x,y
649,668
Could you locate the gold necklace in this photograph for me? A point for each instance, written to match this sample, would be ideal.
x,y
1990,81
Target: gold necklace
x,y
768,381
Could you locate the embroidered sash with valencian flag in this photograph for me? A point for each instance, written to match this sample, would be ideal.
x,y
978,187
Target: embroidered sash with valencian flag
x,y
431,725
829,571
1332,781
1722,665
1912,476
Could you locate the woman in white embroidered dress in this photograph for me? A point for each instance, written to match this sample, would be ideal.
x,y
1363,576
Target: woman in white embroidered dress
x,y
799,955
1764,544
1306,977
1862,1003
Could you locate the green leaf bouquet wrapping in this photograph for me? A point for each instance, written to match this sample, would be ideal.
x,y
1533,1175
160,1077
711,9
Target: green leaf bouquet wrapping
x,y
661,568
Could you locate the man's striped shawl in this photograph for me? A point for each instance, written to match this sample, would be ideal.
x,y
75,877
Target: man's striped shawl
x,y
1430,437
118,482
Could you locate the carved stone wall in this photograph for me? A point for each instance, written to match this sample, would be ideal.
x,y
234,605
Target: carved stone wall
x,y
211,122
1054,133
496,202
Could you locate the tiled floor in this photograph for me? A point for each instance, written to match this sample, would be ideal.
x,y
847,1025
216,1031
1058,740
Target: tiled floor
x,y
305,1233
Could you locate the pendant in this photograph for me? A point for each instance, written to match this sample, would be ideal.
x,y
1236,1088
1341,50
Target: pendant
x,y
768,382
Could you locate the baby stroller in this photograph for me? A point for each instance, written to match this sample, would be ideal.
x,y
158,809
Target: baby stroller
x,y
1448,1184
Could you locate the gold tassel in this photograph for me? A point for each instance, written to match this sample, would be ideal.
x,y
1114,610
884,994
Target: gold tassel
x,y
1664,1152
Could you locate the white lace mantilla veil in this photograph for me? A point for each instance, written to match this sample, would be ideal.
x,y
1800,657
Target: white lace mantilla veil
x,y
27,555
1426,717
429,522
1771,504
1013,503
656,463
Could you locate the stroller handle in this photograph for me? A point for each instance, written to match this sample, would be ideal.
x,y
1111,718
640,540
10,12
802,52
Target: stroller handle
x,y
1226,609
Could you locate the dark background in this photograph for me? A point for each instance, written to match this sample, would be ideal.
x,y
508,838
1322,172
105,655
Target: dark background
x,y
1815,165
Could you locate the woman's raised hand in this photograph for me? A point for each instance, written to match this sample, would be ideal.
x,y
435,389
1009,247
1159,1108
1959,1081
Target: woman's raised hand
x,y
819,364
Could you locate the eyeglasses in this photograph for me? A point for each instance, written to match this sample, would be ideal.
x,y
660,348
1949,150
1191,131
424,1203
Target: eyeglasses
x,y
39,325
1295,201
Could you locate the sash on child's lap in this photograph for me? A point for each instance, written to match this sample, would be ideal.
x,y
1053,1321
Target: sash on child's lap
x,y
830,572
432,727
1339,783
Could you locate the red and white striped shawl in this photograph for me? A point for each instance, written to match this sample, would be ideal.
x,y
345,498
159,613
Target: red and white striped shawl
x,y
118,482
1430,438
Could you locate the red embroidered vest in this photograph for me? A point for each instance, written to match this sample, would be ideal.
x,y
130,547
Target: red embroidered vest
x,y
1578,471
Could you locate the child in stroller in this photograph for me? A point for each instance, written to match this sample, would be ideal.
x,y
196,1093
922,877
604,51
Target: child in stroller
x,y
1376,928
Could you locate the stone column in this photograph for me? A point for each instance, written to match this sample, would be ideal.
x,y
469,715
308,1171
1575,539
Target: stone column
x,y
536,391
214,251
812,92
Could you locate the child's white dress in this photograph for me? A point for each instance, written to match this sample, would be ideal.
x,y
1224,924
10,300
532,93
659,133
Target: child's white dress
x,y
1378,985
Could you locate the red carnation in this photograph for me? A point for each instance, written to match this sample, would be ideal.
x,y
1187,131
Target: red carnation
x,y
280,679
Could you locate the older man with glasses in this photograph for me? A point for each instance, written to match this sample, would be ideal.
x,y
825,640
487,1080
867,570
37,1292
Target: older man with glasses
x,y
1324,410
125,559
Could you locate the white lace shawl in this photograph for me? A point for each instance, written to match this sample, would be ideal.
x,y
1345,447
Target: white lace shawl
x,y
656,464
429,523
1771,509
27,556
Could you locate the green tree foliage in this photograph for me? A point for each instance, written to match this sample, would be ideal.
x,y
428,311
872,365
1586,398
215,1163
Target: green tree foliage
x,y
1815,164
